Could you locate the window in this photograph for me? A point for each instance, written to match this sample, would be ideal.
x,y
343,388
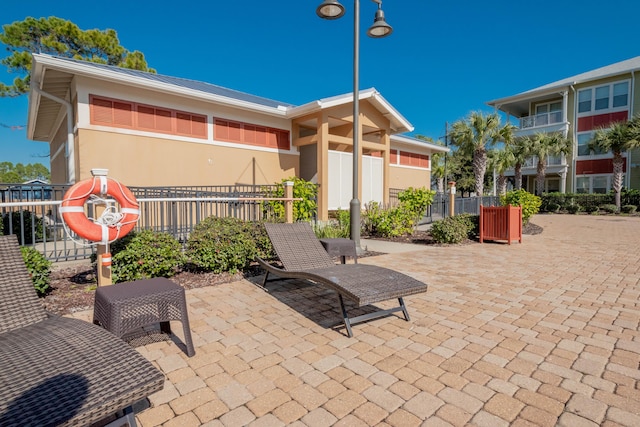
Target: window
x,y
406,158
620,94
582,184
245,133
583,145
548,113
605,97
149,118
602,98
584,101
600,184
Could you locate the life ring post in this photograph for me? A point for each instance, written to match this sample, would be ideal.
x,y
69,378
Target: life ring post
x,y
104,265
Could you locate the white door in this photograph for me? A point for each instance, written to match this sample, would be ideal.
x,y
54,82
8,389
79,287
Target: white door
x,y
340,179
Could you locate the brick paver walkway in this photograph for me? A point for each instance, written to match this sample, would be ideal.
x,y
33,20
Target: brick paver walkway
x,y
540,333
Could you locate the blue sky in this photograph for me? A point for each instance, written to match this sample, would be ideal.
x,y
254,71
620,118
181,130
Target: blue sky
x,y
444,59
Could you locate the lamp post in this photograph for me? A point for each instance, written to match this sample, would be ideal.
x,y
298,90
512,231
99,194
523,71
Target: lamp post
x,y
332,9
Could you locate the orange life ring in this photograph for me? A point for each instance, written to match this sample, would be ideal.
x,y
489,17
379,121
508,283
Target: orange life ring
x,y
73,212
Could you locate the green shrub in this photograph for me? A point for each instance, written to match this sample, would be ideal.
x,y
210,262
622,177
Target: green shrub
x,y
553,207
303,210
530,203
629,209
227,244
416,201
39,268
379,221
590,209
146,254
573,208
609,208
454,229
338,227
30,222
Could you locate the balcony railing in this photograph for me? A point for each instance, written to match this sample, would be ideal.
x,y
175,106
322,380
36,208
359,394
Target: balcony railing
x,y
532,162
541,120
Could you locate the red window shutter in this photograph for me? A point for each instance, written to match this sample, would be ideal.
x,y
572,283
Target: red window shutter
x,y
101,111
146,117
249,135
199,126
235,132
283,140
393,157
221,130
163,120
183,123
123,114
261,137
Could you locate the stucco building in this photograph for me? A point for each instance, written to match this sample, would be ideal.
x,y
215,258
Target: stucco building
x,y
155,130
577,106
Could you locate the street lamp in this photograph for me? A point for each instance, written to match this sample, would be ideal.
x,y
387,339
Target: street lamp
x,y
332,9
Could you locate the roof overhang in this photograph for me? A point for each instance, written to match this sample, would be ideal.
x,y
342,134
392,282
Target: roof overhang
x,y
47,68
518,105
399,124
417,144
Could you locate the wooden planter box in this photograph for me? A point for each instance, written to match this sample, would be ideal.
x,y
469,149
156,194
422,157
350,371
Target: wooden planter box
x,y
501,223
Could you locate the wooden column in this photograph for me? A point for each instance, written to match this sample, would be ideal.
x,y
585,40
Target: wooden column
x,y
322,148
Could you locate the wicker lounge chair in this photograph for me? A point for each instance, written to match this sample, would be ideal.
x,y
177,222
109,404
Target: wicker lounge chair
x,y
57,370
303,257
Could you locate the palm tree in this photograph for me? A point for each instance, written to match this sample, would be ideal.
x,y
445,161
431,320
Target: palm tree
x,y
521,150
617,138
437,169
474,136
544,145
501,161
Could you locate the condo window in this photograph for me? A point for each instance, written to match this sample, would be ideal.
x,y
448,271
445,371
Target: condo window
x,y
583,144
620,94
589,184
606,97
584,101
602,98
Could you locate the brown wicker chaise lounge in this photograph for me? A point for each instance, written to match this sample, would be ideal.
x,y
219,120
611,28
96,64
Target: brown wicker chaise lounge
x,y
303,257
57,371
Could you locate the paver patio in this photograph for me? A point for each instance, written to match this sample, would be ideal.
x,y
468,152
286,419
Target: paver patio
x,y
540,333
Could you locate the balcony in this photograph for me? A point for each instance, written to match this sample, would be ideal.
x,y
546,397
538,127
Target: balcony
x,y
532,162
541,120
545,122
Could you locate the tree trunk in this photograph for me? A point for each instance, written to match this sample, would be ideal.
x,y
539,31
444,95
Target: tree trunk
x,y
502,184
518,176
441,185
618,164
540,175
479,169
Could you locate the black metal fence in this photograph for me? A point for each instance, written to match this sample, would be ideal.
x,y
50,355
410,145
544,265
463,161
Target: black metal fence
x,y
31,212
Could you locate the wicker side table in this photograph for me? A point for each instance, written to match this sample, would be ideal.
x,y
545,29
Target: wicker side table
x,y
340,247
126,307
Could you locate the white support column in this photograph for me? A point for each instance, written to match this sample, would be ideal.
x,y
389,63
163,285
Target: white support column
x,y
565,106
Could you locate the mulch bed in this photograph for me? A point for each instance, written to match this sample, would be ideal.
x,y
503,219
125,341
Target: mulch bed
x,y
73,285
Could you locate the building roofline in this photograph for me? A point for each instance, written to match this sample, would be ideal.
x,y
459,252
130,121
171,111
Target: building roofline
x,y
623,67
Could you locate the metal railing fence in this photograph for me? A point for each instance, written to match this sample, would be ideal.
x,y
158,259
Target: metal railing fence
x,y
31,212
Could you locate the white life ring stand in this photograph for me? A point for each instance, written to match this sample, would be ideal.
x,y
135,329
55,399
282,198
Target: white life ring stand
x,y
110,225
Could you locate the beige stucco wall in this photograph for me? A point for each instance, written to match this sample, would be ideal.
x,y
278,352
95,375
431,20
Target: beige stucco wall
x,y
147,161
404,177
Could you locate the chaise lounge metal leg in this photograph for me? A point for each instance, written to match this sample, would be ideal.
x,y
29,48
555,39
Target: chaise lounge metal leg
x,y
368,316
404,309
347,322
